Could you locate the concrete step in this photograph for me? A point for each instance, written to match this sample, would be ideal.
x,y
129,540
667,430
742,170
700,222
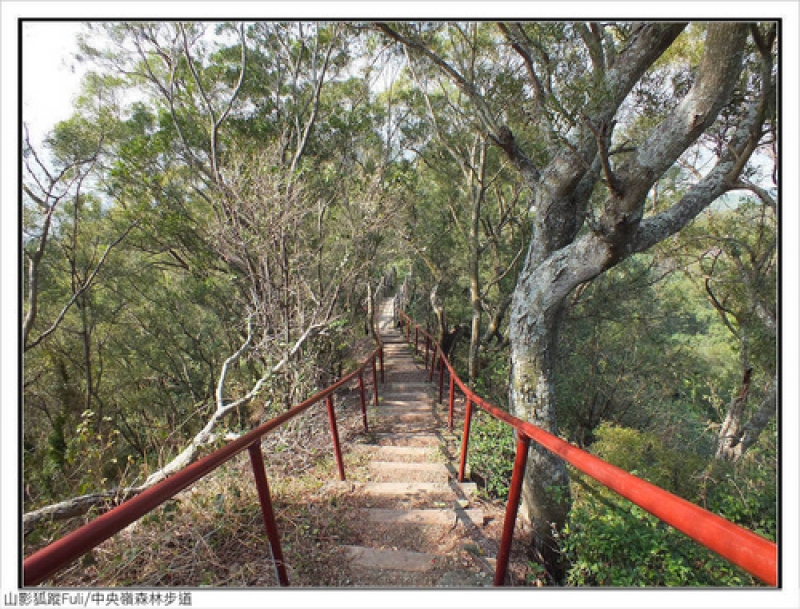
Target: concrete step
x,y
399,453
423,425
430,517
400,466
401,416
396,344
398,408
414,488
407,398
390,559
407,439
392,403
394,471
407,395
407,386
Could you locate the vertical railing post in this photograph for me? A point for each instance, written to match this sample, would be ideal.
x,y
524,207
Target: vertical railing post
x,y
268,514
374,381
451,403
380,357
427,349
441,376
465,439
408,331
337,449
433,365
514,493
416,339
363,399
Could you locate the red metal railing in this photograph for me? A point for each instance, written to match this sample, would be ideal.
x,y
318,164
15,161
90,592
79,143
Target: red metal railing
x,y
52,558
751,552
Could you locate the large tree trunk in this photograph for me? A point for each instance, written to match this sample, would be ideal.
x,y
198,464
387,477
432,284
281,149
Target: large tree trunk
x,y
369,321
474,292
475,176
438,311
545,492
538,305
559,259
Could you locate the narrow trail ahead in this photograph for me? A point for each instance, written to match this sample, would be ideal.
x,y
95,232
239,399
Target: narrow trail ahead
x,y
414,525
399,520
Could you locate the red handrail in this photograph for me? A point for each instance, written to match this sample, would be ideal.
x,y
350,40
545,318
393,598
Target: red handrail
x,y
52,558
753,553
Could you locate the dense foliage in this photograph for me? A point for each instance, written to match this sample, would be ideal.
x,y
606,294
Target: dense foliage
x,y
192,209
611,542
201,237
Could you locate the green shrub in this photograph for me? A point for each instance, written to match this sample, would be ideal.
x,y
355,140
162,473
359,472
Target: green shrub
x,y
491,453
643,454
611,542
492,383
746,493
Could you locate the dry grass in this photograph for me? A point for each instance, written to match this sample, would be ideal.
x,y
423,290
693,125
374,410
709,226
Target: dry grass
x,y
212,534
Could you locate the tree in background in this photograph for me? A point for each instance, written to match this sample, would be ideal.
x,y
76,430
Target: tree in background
x,y
734,265
468,224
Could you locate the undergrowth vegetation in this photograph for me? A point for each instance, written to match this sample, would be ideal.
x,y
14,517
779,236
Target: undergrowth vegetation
x,y
611,542
491,454
212,534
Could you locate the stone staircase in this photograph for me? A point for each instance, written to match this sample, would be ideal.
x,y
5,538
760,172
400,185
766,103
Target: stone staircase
x,y
417,525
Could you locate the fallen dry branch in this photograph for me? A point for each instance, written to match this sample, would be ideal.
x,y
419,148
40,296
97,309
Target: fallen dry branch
x,y
78,506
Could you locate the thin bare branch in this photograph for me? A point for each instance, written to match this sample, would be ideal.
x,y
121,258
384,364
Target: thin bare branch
x,y
76,294
460,81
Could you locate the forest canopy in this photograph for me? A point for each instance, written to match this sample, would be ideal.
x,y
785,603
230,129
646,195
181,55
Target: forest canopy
x,y
586,213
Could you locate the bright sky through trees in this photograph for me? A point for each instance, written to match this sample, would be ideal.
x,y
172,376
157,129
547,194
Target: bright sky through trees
x,y
50,76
